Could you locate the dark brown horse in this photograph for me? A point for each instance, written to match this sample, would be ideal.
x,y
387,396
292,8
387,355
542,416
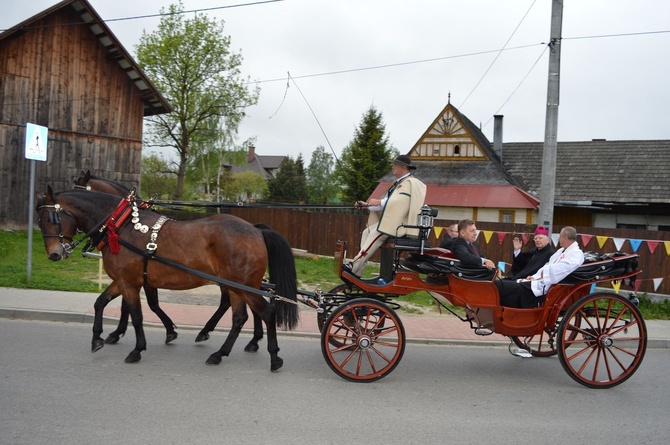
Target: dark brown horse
x,y
230,249
89,182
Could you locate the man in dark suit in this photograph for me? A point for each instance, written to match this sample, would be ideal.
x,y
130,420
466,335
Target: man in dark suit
x,y
465,247
452,233
527,263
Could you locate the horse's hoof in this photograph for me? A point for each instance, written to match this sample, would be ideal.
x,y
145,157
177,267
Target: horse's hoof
x,y
251,347
203,336
133,357
170,337
213,360
97,345
276,364
112,339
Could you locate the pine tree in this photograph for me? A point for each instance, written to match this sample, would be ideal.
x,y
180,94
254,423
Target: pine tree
x,y
290,184
367,158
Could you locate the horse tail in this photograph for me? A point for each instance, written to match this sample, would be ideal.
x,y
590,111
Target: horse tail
x,y
281,266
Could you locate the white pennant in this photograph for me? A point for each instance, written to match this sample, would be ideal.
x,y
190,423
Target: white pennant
x,y
657,282
618,242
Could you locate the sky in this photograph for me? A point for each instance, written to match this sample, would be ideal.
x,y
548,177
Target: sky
x,y
408,58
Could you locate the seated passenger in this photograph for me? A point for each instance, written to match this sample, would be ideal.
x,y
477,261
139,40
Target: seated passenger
x,y
527,263
465,247
452,233
527,293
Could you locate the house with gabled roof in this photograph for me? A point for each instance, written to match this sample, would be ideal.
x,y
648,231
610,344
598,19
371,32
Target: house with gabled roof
x,y
65,70
266,165
463,175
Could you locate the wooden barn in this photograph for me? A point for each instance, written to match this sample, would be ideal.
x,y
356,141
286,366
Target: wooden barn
x,y
64,69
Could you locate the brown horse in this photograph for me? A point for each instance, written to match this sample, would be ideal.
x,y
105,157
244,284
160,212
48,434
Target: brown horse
x,y
148,251
89,182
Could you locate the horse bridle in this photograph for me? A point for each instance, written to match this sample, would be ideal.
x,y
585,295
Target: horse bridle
x,y
55,218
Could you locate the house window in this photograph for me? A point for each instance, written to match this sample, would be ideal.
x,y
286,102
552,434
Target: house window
x,y
436,150
506,216
457,150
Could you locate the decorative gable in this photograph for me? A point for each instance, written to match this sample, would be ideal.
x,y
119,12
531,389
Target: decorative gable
x,y
451,137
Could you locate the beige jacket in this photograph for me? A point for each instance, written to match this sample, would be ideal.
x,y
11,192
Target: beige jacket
x,y
402,207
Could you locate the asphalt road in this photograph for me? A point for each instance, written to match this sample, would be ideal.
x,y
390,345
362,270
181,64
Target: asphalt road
x,y
53,390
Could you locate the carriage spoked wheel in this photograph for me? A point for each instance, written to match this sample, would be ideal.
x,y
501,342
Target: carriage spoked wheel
x,y
363,340
602,340
335,298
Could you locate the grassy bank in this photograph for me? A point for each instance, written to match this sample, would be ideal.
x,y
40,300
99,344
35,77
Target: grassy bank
x,y
80,274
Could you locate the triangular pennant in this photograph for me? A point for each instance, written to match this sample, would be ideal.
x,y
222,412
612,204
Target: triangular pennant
x,y
478,232
501,266
637,284
618,243
657,282
487,235
525,237
593,288
635,244
438,231
616,285
501,237
601,240
652,246
554,238
586,239
667,247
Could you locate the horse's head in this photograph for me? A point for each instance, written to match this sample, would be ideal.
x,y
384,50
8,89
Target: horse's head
x,y
58,226
83,180
92,183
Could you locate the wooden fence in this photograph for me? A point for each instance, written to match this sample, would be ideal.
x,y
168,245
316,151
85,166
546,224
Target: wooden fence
x,y
317,231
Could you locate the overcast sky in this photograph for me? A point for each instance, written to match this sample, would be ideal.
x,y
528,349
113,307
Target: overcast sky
x,y
406,56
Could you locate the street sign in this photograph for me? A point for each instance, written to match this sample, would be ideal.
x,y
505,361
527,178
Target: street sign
x,y
36,142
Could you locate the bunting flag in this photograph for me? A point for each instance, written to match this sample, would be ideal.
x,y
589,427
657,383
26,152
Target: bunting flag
x,y
501,266
593,288
525,237
487,235
586,239
618,243
652,246
478,231
637,284
554,238
667,247
501,237
438,231
635,244
616,285
601,240
657,283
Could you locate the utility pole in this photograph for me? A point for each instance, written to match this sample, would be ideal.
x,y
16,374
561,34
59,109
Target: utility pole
x,y
548,184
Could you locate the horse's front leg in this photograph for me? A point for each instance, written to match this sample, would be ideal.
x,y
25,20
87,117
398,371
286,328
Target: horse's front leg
x,y
105,297
121,329
132,297
152,301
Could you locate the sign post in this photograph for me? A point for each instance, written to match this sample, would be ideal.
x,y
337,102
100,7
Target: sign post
x,y
35,150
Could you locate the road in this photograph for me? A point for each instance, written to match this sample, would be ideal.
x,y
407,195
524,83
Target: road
x,y
53,390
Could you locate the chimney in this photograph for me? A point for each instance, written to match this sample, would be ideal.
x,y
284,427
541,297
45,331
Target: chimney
x,y
252,153
498,135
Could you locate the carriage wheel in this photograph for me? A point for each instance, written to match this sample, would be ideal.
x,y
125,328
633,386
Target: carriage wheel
x,y
363,340
602,340
335,298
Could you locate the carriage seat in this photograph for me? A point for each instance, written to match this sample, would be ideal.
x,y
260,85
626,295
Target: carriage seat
x,y
433,264
600,266
405,243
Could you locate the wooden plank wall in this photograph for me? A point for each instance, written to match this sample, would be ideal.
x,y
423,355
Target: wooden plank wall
x,y
58,75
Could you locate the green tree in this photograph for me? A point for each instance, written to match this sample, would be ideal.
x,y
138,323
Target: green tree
x,y
367,158
191,63
158,178
321,185
246,186
290,184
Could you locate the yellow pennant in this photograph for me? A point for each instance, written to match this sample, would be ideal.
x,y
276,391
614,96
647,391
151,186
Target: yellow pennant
x,y
438,231
601,240
667,247
616,285
487,235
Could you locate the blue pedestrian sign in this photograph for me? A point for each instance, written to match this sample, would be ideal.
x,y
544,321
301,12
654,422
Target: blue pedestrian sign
x,y
36,142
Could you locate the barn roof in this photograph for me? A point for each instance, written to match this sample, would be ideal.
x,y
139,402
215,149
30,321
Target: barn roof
x,y
598,171
154,102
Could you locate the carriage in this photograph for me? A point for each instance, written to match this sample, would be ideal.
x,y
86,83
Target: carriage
x,y
599,336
